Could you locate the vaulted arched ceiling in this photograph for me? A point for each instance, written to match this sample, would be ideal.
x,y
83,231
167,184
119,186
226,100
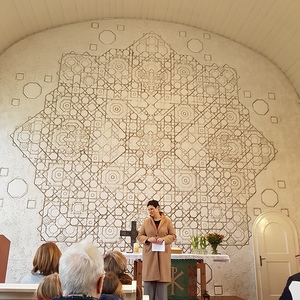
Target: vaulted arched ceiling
x,y
270,27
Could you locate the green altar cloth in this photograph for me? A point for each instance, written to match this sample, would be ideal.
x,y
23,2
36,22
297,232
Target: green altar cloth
x,y
183,284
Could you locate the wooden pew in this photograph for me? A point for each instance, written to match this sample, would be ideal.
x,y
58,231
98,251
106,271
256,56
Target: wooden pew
x,y
19,291
129,290
4,253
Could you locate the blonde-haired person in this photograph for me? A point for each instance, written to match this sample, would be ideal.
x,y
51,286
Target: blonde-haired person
x,y
116,262
49,287
112,287
45,262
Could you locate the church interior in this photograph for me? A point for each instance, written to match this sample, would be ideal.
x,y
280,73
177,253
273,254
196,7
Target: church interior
x,y
107,104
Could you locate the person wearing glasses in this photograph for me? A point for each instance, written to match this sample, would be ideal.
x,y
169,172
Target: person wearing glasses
x,y
156,234
286,294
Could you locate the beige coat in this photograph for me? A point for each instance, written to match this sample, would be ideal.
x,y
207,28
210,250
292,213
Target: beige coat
x,y
157,265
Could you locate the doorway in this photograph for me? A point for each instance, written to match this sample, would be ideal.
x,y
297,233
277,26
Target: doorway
x,y
275,242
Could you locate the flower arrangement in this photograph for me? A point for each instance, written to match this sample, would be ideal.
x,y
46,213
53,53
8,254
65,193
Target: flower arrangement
x,y
195,241
203,242
214,238
198,243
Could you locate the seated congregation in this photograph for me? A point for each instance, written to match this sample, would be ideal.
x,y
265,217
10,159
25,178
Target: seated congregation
x,y
80,272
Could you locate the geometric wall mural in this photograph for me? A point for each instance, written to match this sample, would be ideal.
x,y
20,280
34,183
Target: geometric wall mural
x,y
137,124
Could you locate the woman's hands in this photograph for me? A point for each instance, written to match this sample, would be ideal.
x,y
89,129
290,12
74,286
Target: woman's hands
x,y
159,240
155,240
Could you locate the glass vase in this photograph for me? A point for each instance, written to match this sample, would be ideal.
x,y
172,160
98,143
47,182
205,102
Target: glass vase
x,y
203,245
214,248
195,251
203,251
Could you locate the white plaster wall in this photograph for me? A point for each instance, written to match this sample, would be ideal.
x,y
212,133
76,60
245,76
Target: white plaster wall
x,y
37,56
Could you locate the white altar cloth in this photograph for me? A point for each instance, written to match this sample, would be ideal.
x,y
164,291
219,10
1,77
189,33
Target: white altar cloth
x,y
213,257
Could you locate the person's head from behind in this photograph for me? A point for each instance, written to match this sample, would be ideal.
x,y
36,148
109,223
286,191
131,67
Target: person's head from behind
x,y
115,261
81,270
112,285
49,287
46,259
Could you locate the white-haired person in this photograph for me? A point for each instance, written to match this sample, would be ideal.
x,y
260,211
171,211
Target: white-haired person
x,y
81,272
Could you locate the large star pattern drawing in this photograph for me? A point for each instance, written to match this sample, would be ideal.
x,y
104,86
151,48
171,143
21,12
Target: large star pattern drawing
x,y
137,124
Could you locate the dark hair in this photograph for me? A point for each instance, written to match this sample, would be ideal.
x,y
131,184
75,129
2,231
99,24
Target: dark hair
x,y
153,203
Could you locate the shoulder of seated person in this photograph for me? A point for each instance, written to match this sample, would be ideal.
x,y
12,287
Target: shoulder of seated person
x,y
109,297
295,277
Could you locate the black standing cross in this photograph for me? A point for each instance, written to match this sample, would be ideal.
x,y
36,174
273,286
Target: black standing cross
x,y
132,233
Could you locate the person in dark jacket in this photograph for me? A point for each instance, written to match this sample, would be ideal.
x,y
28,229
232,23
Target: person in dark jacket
x,y
81,272
286,294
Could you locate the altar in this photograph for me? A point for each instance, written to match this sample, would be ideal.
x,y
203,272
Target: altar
x,y
183,274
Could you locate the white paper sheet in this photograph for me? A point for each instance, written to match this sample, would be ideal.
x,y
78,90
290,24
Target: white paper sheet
x,y
159,247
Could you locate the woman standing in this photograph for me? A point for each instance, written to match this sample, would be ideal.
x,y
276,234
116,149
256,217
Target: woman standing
x,y
157,229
